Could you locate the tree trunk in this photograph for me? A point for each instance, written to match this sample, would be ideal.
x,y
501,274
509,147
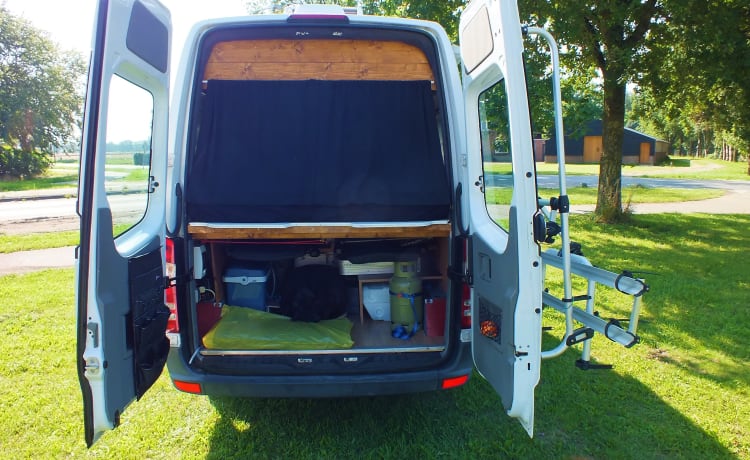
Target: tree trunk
x,y
609,195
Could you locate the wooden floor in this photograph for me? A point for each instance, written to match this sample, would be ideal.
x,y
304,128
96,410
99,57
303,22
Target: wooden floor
x,y
377,334
368,336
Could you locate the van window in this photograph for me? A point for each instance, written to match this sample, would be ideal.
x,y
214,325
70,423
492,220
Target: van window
x,y
128,153
496,153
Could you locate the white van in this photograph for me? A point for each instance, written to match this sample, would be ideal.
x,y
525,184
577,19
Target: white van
x,y
347,143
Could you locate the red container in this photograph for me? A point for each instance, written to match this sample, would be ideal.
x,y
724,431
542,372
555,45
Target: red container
x,y
208,315
434,316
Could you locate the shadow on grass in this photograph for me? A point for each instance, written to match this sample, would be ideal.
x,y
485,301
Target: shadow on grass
x,y
466,423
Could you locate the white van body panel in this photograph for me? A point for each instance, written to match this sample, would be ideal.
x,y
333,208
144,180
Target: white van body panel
x,y
513,368
522,356
105,364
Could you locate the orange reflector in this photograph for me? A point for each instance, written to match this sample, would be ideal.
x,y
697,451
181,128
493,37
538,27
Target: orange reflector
x,y
188,387
454,382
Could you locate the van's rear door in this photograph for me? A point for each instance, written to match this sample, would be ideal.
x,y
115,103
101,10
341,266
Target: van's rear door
x,y
506,265
122,347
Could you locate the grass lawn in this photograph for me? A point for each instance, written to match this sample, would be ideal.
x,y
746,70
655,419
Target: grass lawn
x,y
681,393
51,180
14,243
30,241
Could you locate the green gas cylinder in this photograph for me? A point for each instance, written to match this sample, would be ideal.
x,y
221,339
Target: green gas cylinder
x,y
407,301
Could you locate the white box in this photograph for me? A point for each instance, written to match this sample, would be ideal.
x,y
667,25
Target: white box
x,y
372,268
377,300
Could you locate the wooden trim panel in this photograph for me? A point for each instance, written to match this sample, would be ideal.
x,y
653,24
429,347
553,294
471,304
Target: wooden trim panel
x,y
317,60
210,232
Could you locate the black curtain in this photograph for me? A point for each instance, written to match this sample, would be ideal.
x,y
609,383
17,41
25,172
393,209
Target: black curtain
x,y
317,151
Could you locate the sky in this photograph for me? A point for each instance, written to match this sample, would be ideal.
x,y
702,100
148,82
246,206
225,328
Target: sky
x,y
70,23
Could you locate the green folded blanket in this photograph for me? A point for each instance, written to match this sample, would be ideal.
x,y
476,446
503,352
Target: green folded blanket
x,y
247,329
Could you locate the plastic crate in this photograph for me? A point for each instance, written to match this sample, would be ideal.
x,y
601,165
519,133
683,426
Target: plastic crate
x,y
246,286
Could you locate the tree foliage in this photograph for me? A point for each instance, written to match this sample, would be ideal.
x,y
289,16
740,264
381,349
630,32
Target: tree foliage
x,y
40,89
697,94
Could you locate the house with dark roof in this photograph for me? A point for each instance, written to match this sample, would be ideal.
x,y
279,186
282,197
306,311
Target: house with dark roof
x,y
637,147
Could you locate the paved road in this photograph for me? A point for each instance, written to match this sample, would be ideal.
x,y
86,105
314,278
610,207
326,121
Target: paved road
x,y
30,261
57,213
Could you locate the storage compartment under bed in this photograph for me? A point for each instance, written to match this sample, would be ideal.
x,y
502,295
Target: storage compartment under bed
x,y
339,270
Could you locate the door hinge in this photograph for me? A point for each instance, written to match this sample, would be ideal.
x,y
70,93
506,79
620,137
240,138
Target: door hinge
x,y
152,184
480,183
459,274
462,277
171,282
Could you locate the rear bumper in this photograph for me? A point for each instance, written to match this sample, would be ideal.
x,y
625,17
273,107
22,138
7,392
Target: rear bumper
x,y
322,386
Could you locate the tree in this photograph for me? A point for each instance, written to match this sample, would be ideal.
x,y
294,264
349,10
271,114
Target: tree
x,y
702,55
611,37
40,88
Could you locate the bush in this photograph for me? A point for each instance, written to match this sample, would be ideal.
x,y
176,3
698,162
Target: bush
x,y
141,159
21,164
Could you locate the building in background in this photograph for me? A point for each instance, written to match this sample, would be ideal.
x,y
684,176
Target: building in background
x,y
637,148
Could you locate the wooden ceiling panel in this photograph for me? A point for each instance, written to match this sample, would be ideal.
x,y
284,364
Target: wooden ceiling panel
x,y
316,59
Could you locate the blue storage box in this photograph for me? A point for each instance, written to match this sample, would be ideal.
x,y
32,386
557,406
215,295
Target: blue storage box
x,y
246,286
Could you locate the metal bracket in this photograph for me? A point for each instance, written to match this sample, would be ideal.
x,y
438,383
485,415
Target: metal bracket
x,y
93,329
152,184
560,204
579,335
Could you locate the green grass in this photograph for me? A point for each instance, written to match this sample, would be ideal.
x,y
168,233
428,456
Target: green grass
x,y
633,194
14,243
138,175
700,168
45,240
52,180
681,393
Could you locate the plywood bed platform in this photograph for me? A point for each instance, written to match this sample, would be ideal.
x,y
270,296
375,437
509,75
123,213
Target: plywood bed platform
x,y
220,231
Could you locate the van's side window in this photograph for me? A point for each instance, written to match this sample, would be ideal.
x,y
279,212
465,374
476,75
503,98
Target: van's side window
x,y
496,153
128,153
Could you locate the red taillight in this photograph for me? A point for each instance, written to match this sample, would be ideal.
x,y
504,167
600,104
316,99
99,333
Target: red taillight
x,y
170,294
465,307
188,387
454,382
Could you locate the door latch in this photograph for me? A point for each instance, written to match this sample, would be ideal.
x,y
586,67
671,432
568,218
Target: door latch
x,y
480,183
91,367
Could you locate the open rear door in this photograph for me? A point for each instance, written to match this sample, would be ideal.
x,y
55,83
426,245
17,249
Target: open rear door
x,y
505,259
122,347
